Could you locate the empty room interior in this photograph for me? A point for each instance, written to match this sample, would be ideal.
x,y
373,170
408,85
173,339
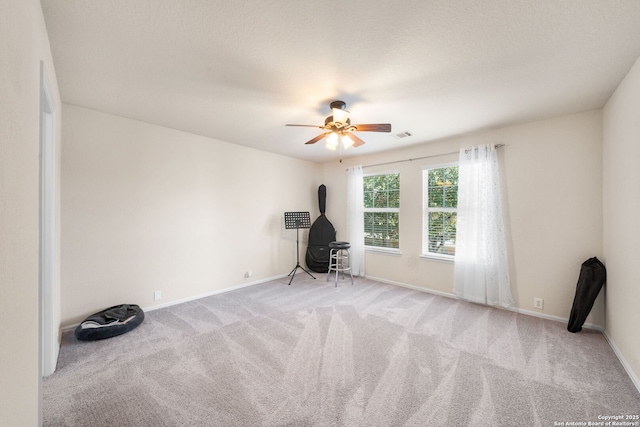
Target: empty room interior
x,y
150,150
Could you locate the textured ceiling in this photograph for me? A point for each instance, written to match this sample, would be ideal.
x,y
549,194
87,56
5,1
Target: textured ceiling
x,y
238,71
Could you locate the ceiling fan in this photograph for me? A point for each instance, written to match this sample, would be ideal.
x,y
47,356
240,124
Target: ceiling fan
x,y
339,130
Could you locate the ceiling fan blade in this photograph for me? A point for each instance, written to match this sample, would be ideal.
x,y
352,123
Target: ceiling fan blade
x,y
356,141
307,126
317,138
380,127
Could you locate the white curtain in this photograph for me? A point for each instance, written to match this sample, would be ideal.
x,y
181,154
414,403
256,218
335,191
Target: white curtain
x,y
481,265
355,218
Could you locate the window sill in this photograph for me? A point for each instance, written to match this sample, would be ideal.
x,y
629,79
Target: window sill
x,y
383,251
448,259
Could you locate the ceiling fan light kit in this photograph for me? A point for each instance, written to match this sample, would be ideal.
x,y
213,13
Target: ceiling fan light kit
x,y
346,141
339,130
332,141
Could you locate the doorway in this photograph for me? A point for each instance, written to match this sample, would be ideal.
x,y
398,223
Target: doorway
x,y
49,341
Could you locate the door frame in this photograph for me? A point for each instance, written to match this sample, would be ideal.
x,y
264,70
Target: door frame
x,y
47,271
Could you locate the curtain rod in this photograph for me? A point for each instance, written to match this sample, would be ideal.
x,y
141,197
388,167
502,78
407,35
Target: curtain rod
x,y
422,158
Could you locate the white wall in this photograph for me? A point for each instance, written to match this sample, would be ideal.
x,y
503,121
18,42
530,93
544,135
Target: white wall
x,y
552,176
621,151
23,44
148,208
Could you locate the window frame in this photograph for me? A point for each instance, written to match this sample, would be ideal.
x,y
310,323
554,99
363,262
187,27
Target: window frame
x,y
425,253
384,249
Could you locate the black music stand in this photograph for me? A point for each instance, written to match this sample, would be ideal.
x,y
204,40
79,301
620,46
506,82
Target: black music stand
x,y
297,220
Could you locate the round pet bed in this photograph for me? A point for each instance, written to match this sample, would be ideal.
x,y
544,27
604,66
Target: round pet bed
x,y
108,323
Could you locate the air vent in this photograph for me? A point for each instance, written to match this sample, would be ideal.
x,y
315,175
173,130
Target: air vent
x,y
402,134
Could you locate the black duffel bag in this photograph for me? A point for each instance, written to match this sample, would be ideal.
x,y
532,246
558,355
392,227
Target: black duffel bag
x,y
592,276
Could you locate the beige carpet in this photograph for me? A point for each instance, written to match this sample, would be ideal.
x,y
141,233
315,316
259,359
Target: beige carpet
x,y
310,354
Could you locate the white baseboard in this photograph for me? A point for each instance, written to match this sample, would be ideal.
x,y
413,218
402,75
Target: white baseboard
x,y
414,287
514,309
193,298
208,294
554,318
623,361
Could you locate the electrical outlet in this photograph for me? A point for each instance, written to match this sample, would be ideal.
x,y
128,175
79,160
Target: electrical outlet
x,y
248,274
538,303
157,295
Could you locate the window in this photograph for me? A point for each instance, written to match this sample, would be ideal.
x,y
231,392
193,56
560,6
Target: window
x,y
440,206
382,210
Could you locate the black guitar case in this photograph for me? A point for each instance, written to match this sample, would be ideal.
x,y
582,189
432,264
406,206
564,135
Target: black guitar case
x,y
321,234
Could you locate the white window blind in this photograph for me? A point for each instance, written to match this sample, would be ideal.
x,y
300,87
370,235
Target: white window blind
x,y
440,207
382,210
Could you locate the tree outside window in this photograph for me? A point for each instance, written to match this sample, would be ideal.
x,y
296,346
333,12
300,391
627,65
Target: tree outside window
x,y
382,210
440,202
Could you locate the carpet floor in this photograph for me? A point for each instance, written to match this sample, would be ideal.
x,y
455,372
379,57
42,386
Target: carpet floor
x,y
309,354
